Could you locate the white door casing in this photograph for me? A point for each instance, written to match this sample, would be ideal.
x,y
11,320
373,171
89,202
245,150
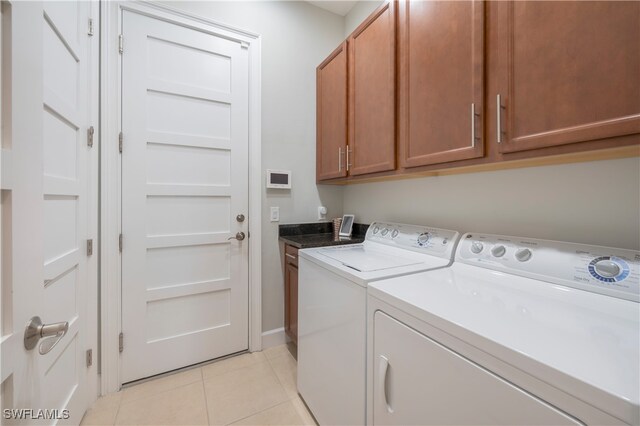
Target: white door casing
x,y
47,106
184,180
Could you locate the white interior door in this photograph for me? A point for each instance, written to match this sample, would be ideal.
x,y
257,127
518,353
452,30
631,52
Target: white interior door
x,y
45,118
184,181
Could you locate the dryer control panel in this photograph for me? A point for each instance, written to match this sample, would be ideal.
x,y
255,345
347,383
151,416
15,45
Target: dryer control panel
x,y
610,271
422,239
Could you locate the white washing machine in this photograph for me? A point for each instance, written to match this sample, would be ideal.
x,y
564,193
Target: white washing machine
x,y
332,311
516,331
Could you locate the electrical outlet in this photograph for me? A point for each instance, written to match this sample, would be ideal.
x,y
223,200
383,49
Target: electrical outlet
x,y
275,214
322,212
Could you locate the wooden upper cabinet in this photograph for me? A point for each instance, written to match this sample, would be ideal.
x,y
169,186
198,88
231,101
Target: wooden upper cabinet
x,y
372,100
331,115
441,79
569,72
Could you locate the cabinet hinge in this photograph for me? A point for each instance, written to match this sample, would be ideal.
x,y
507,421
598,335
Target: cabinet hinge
x,y
120,243
89,357
120,138
90,132
89,247
121,342
90,31
244,45
120,43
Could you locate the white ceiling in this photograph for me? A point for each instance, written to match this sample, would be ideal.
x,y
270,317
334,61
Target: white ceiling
x,y
339,7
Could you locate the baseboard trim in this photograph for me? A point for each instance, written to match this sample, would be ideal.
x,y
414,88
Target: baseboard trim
x,y
273,337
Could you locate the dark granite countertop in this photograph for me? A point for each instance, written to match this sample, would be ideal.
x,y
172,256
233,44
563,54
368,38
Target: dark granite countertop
x,y
308,235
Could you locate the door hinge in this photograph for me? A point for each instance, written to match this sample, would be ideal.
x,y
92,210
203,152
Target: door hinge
x,y
120,138
90,32
89,357
90,132
121,342
89,247
120,243
120,43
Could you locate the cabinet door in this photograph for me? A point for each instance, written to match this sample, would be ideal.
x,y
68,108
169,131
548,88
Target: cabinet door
x,y
331,115
293,303
291,291
441,62
417,381
372,101
570,72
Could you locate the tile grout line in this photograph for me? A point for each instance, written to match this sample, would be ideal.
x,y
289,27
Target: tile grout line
x,y
270,407
257,412
161,392
206,400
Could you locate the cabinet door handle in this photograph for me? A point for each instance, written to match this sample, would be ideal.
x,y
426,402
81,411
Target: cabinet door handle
x,y
290,256
473,125
499,109
383,372
348,163
339,159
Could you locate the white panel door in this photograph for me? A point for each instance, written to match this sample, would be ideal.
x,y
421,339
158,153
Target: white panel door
x,y
46,108
417,381
184,181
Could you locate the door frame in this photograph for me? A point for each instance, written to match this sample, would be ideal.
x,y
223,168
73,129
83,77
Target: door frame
x,y
110,173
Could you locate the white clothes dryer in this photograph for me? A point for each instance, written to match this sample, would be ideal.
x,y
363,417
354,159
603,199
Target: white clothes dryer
x,y
516,331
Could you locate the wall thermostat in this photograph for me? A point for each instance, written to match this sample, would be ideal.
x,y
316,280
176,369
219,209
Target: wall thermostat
x,y
280,179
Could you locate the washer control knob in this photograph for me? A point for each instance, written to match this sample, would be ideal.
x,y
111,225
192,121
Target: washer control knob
x,y
423,238
523,254
476,247
498,251
607,268
376,229
384,232
394,233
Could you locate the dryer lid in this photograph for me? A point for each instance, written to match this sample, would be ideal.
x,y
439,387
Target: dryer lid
x,y
365,258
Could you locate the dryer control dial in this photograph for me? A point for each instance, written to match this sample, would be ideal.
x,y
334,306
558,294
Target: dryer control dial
x,y
384,232
607,268
376,229
423,238
476,247
498,251
523,254
394,233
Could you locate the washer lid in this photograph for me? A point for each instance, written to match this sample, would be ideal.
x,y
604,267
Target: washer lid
x,y
586,344
365,258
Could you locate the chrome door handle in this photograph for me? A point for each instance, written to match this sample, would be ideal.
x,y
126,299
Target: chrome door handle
x,y
499,109
473,125
239,236
339,158
51,333
383,370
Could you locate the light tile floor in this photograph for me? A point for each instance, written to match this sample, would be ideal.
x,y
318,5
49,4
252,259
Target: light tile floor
x,y
250,389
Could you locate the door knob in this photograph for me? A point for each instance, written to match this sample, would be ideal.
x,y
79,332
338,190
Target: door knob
x,y
239,236
240,218
51,333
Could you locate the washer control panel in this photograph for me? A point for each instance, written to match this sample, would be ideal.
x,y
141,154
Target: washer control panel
x,y
433,241
610,271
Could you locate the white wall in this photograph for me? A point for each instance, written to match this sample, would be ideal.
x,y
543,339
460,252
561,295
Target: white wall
x,y
591,203
296,37
358,13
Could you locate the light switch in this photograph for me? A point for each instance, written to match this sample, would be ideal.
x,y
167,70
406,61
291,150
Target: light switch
x,y
275,214
322,212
